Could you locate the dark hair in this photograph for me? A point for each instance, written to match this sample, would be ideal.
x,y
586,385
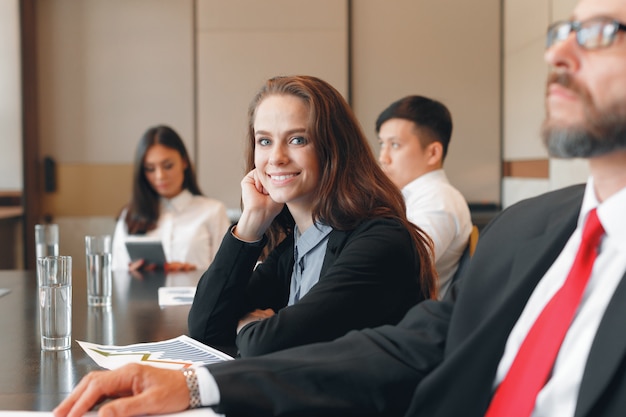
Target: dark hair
x,y
352,187
427,114
143,209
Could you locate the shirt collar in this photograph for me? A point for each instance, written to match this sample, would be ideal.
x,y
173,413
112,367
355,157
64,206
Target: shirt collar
x,y
436,175
312,237
179,202
610,211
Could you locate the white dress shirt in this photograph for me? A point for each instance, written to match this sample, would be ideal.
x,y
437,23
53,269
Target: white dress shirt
x,y
559,395
191,228
439,209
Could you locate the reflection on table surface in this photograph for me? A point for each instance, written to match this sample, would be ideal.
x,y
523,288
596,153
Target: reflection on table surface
x,y
31,379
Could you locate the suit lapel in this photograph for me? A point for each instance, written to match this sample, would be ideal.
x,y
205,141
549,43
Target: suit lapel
x,y
607,352
336,240
535,256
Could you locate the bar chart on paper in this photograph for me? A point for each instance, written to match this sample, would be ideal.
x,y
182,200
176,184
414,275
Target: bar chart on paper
x,y
180,352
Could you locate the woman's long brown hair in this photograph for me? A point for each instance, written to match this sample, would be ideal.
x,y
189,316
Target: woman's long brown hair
x,y
352,188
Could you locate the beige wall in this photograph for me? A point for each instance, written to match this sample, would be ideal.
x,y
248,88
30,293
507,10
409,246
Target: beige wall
x,y
109,69
87,190
448,50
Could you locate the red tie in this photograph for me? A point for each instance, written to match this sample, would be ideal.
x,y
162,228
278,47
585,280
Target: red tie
x,y
515,397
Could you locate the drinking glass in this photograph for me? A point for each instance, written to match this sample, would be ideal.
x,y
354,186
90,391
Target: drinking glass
x,y
46,240
54,277
98,263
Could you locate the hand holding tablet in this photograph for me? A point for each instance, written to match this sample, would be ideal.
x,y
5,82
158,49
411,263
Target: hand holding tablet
x,y
146,249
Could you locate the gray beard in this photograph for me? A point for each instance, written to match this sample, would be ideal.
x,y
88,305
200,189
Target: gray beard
x,y
605,134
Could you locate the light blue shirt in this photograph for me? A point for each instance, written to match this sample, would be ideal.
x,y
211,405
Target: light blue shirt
x,y
308,252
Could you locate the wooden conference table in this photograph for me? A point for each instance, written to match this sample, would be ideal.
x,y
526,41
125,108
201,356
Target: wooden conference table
x,y
31,379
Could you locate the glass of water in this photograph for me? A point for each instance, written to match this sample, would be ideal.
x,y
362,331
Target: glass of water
x,y
98,263
54,277
46,240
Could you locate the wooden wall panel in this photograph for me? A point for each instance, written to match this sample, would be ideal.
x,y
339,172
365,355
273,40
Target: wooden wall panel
x,y
88,190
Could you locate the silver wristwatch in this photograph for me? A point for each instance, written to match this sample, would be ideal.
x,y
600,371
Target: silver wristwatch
x,y
194,390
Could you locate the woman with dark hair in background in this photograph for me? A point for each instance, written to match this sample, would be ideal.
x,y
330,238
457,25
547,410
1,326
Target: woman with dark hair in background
x,y
342,254
167,204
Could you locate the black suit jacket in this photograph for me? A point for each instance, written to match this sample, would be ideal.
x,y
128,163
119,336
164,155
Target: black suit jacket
x,y
369,277
442,358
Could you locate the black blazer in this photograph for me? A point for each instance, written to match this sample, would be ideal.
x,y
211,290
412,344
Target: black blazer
x,y
369,277
442,358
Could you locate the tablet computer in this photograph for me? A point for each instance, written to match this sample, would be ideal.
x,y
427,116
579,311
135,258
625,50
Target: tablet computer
x,y
150,250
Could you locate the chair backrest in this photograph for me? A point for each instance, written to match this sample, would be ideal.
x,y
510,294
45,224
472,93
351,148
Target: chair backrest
x,y
465,259
473,240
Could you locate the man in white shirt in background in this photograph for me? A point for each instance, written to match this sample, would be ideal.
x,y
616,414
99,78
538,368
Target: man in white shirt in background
x,y
414,135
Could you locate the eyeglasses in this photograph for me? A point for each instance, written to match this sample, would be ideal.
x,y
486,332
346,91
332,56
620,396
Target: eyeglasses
x,y
595,33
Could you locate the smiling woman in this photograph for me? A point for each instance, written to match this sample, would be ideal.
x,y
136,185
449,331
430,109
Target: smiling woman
x,y
342,254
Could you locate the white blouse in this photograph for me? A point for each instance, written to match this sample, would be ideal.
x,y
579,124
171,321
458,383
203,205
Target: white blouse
x,y
191,228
